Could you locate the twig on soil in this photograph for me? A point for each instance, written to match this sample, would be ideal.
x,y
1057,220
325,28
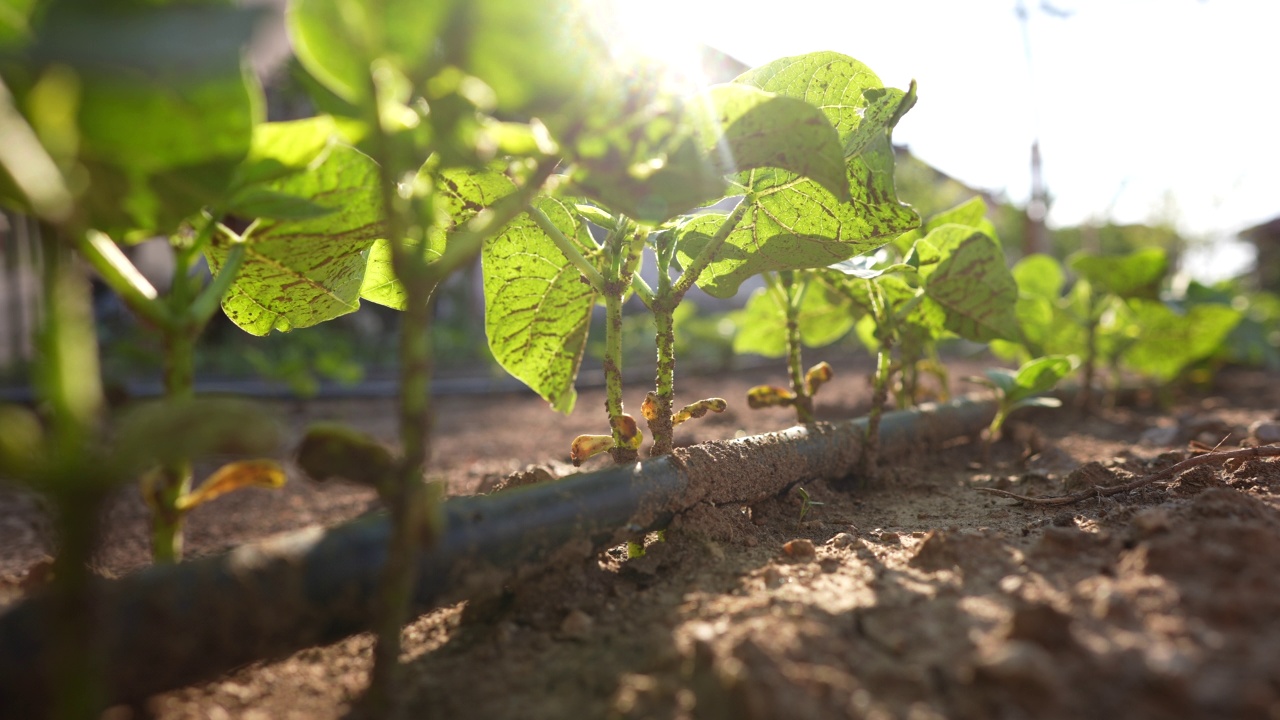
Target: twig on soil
x,y
1211,458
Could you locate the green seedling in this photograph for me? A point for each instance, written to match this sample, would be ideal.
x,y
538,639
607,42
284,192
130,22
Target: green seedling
x,y
1024,387
947,279
1112,317
806,503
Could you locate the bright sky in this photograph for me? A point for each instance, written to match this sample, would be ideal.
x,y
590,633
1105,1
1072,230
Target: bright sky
x,y
1146,109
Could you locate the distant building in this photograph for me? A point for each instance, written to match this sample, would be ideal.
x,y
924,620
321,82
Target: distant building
x,y
1266,241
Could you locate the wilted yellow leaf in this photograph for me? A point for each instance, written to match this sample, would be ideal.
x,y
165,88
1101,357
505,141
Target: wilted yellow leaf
x,y
237,475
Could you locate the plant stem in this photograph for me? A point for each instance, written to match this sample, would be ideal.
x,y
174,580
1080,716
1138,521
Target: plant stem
x,y
69,381
174,479
122,277
708,252
879,395
1090,357
884,373
664,307
626,244
569,250
794,292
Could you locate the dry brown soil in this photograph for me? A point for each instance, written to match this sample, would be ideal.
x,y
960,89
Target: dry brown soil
x,y
918,596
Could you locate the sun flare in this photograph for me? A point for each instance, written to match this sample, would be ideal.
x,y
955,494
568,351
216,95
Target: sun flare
x,y
651,34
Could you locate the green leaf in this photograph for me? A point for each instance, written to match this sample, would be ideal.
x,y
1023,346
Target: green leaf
x,y
1169,341
278,149
975,288
163,108
824,317
460,193
642,156
339,40
260,202
1135,275
15,21
1041,374
538,56
297,273
537,307
761,129
1039,276
1002,379
793,222
971,213
841,86
1044,402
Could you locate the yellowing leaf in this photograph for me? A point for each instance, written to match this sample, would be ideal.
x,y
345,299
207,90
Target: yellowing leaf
x,y
237,475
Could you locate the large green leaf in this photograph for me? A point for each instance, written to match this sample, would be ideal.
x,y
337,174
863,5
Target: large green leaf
x,y
339,40
1137,274
793,222
976,290
537,306
1168,341
761,129
163,108
824,317
460,194
298,273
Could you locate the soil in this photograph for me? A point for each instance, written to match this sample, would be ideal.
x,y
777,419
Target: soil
x,y
910,596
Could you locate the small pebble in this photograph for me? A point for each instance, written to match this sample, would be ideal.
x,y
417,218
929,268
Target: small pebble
x,y
577,625
1265,432
889,537
800,549
841,540
773,577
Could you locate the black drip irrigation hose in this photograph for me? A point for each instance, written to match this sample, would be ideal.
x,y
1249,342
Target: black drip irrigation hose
x,y
170,626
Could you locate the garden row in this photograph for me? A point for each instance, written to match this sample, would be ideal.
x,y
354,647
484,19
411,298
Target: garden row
x,y
453,129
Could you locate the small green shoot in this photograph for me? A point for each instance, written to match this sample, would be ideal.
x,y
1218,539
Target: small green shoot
x,y
1016,389
807,503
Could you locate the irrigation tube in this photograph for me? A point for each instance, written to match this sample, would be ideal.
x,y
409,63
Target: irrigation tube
x,y
171,626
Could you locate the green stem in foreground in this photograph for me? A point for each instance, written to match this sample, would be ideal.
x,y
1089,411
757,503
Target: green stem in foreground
x,y
69,382
402,491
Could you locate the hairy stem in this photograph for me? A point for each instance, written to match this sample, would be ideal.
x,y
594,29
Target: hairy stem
x,y
626,243
664,307
794,292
